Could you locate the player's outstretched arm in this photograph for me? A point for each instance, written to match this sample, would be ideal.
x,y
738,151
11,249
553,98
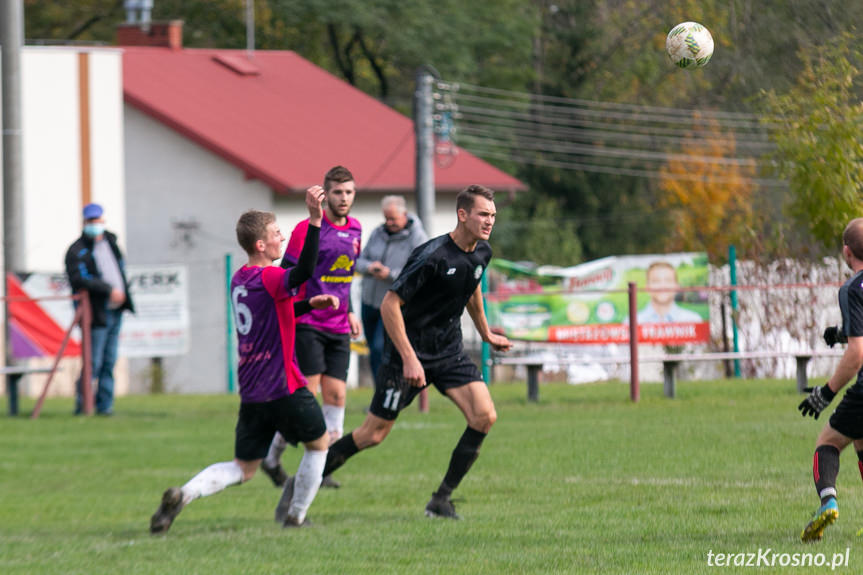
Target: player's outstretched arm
x,y
308,259
324,300
314,203
849,366
394,323
476,309
320,301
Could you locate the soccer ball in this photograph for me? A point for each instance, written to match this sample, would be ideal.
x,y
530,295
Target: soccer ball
x,y
689,45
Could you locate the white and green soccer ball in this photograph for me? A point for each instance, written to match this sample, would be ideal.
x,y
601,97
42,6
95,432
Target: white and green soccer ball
x,y
689,45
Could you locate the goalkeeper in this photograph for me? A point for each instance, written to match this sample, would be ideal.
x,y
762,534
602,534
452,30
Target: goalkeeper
x,y
846,424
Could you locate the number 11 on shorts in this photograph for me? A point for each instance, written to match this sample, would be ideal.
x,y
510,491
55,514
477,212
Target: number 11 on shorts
x,y
391,401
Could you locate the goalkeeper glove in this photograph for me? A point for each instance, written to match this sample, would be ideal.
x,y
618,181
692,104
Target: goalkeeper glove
x,y
833,335
816,401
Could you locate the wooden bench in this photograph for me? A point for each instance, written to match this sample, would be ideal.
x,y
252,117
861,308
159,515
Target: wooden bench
x,y
13,374
670,363
534,364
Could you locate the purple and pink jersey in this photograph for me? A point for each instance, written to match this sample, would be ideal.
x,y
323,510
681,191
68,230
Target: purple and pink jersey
x,y
337,253
264,314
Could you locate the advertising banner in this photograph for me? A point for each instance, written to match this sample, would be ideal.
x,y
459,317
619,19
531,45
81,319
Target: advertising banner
x,y
158,328
160,325
589,303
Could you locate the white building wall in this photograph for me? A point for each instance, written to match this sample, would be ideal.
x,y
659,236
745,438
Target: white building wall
x,y
170,201
171,180
51,152
108,183
51,147
183,204
51,170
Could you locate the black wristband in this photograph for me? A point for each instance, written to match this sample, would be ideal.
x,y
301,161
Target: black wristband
x,y
827,393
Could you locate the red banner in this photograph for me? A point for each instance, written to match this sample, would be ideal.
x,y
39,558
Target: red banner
x,y
659,333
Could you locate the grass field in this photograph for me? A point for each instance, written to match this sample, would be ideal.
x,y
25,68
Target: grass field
x,y
582,482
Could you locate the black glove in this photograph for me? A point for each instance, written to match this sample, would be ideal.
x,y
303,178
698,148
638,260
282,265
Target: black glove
x,y
832,336
816,401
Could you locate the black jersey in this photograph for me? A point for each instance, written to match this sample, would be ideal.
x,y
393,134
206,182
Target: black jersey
x,y
436,283
851,305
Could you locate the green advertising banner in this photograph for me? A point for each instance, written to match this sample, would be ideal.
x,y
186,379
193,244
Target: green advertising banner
x,y
589,303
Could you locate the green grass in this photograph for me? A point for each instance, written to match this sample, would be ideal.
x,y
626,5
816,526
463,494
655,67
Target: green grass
x,y
582,482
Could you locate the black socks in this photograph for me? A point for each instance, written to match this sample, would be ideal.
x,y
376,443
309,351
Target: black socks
x,y
825,468
339,452
465,453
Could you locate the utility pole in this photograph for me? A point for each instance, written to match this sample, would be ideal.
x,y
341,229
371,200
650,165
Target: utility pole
x,y
424,133
13,195
11,40
424,138
250,29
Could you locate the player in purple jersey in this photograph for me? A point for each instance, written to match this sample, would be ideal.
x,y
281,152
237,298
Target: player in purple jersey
x,y
323,336
422,316
273,393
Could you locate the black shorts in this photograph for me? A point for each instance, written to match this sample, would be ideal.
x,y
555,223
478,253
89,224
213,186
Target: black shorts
x,y
393,393
322,352
848,417
297,417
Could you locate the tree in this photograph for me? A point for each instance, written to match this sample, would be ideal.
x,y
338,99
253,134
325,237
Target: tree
x,y
819,146
533,228
609,51
376,45
709,192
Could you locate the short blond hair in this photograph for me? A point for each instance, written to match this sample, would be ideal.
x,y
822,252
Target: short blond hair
x,y
659,264
251,227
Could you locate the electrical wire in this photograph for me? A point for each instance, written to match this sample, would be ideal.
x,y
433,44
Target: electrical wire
x,y
604,137
460,87
545,145
593,136
623,171
556,113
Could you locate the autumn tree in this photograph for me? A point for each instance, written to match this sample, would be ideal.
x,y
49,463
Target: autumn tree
x,y
709,191
608,51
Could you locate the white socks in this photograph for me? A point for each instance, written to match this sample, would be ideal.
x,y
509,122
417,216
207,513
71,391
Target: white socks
x,y
212,480
306,482
334,417
277,447
218,476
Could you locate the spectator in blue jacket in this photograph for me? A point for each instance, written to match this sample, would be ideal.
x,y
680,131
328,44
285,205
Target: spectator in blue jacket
x,y
381,262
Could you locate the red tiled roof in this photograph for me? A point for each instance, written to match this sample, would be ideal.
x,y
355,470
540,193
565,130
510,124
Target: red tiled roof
x,y
285,121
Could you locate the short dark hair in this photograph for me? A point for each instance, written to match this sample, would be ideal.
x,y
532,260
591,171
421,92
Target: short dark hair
x,y
467,197
251,227
337,175
853,237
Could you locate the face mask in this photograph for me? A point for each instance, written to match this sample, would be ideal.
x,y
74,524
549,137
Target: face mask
x,y
94,230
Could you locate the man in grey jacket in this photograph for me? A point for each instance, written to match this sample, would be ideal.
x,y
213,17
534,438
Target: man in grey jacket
x,y
381,262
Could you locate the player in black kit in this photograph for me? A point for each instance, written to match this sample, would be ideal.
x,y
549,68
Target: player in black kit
x,y
423,345
846,424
